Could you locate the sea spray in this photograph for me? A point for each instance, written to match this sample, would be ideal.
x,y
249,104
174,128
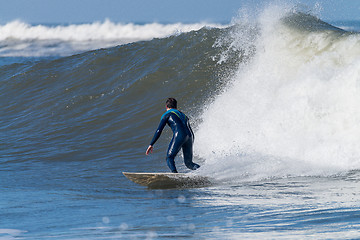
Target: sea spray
x,y
293,110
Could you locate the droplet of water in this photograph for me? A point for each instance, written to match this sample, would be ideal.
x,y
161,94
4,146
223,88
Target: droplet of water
x,y
181,198
105,220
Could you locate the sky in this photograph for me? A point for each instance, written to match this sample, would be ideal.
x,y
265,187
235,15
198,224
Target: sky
x,y
162,11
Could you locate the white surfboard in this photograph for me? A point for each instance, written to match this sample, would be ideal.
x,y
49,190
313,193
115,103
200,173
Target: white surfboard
x,y
168,180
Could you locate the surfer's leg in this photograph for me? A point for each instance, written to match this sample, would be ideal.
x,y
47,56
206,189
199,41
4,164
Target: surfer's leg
x,y
188,155
174,148
171,164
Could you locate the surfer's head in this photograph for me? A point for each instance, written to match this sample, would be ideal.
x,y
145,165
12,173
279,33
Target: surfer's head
x,y
171,103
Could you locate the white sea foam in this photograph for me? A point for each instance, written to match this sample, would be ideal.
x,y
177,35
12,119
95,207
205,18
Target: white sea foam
x,y
18,38
293,110
8,234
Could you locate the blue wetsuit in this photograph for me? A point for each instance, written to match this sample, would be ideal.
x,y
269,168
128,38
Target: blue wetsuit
x,y
183,137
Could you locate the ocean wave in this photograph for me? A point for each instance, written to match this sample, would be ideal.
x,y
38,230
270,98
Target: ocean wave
x,y
274,97
103,103
18,38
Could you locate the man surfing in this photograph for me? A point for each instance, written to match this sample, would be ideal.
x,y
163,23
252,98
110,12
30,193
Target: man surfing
x,y
183,136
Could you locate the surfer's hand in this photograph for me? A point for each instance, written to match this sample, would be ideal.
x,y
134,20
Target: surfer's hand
x,y
149,149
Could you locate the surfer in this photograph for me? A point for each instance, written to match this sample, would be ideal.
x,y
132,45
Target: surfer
x,y
183,136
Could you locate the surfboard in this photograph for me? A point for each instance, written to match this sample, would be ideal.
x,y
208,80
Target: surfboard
x,y
168,180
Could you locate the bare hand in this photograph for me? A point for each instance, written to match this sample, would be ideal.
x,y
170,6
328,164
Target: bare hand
x,y
149,150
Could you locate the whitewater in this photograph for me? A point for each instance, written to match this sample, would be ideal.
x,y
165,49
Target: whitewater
x,y
293,107
273,99
20,39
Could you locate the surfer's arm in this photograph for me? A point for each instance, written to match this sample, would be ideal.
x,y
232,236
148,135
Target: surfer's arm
x,y
159,130
156,135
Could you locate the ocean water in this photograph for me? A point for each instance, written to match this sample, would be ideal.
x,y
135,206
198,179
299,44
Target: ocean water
x,y
273,99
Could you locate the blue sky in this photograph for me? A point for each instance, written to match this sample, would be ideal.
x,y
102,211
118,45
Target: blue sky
x,y
163,11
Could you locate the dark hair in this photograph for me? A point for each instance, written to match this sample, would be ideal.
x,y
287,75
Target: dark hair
x,y
171,103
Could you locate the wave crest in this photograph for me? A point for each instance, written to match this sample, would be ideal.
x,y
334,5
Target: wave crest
x,y
18,38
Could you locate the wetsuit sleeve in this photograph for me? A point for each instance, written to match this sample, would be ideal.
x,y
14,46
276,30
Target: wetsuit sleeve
x,y
159,130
